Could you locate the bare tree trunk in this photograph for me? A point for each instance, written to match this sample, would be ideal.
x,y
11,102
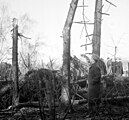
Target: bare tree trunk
x,y
15,63
97,28
66,51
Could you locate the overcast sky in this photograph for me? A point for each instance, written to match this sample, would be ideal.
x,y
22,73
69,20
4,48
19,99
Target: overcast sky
x,y
50,16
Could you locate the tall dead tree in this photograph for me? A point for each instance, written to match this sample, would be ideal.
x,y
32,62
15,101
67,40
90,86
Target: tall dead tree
x,y
15,63
66,51
96,41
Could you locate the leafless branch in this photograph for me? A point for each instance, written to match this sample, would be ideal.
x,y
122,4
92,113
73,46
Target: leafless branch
x,y
24,61
35,46
86,44
83,6
89,35
84,23
83,13
103,13
81,22
110,3
20,35
81,32
101,8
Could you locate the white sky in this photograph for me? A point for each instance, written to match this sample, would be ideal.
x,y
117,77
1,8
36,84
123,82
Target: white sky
x,y
50,16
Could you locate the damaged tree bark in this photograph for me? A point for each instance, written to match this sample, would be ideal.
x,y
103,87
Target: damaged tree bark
x,y
66,52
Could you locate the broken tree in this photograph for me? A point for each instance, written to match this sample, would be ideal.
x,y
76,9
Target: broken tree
x,y
15,63
66,52
96,41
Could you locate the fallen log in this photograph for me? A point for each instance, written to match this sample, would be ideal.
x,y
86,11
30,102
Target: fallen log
x,y
116,100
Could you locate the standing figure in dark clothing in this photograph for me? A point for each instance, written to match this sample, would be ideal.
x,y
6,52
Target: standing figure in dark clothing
x,y
94,84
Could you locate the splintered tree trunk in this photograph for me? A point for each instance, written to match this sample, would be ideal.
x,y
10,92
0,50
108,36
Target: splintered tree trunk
x,y
97,28
66,52
15,63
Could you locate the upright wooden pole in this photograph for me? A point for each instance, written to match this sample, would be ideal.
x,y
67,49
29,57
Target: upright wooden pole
x,y
66,50
96,43
15,63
